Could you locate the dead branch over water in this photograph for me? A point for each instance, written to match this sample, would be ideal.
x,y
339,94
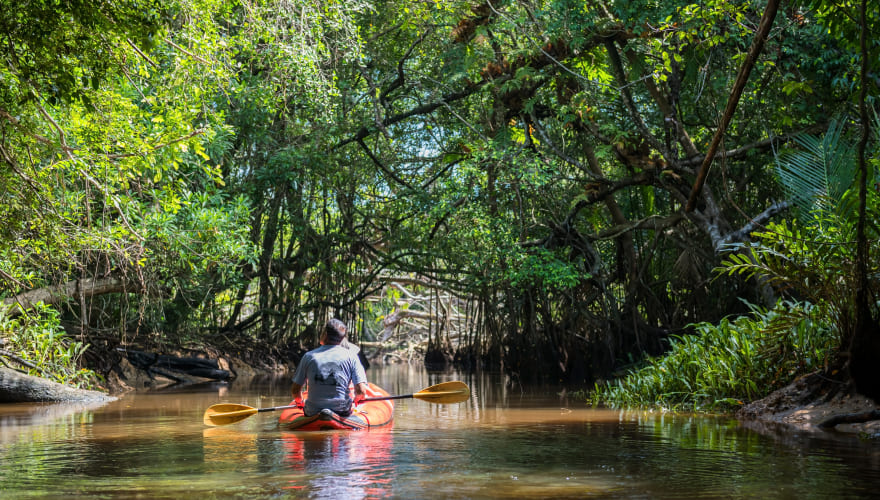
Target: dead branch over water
x,y
423,317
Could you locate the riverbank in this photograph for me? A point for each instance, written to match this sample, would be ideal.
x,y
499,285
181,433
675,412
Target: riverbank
x,y
125,368
138,369
815,403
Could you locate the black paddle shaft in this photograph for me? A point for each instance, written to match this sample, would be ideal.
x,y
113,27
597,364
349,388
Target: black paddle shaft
x,y
385,398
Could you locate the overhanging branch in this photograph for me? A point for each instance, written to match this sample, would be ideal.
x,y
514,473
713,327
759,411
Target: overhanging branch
x,y
56,294
735,94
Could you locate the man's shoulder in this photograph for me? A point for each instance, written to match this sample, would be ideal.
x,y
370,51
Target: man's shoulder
x,y
334,352
324,351
314,352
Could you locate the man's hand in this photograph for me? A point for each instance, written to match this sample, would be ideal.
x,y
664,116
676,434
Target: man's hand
x,y
360,393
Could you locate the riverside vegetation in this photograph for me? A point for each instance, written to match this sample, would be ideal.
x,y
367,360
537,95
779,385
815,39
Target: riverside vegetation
x,y
522,185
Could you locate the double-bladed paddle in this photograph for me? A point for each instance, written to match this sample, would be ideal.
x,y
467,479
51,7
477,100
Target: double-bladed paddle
x,y
444,393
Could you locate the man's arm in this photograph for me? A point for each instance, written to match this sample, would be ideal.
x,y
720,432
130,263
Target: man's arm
x,y
299,378
360,392
296,392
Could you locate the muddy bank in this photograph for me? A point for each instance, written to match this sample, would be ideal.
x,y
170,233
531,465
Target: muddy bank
x,y
138,369
125,369
817,402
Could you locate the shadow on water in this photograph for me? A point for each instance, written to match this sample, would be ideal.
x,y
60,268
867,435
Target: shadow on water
x,y
505,442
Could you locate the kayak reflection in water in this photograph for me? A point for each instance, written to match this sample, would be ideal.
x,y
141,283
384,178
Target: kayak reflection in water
x,y
328,371
340,465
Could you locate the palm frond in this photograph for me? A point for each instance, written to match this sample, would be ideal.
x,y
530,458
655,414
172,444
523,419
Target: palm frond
x,y
820,171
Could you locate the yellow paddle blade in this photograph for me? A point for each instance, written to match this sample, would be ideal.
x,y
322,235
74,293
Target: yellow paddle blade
x,y
445,393
227,413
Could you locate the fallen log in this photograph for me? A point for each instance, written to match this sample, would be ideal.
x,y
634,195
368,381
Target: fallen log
x,y
162,364
18,387
850,418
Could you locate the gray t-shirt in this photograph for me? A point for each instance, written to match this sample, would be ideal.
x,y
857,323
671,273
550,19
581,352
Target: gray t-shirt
x,y
329,370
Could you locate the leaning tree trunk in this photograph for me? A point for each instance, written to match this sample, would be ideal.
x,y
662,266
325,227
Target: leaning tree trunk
x,y
56,294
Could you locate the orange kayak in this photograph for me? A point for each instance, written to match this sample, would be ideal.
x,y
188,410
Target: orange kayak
x,y
365,416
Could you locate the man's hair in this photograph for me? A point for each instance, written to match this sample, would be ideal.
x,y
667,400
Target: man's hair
x,y
335,330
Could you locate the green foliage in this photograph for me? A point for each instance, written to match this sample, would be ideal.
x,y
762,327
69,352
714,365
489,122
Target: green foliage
x,y
128,177
816,177
205,233
543,271
742,360
261,163
37,337
64,49
815,261
720,367
814,256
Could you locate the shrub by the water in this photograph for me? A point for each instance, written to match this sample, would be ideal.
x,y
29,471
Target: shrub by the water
x,y
723,366
36,341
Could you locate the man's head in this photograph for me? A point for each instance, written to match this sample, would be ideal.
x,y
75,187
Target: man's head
x,y
334,332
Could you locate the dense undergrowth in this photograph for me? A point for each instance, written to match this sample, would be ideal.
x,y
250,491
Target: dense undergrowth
x,y
811,257
36,343
722,366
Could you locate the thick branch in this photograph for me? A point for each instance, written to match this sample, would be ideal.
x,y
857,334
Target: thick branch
x,y
735,94
365,132
17,359
545,139
667,108
89,287
398,82
552,53
414,281
756,223
381,166
653,222
743,150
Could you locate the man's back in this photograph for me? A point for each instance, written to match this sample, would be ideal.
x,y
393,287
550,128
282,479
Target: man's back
x,y
329,369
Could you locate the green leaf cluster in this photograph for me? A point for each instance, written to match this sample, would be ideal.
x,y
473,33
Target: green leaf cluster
x,y
722,366
818,174
37,338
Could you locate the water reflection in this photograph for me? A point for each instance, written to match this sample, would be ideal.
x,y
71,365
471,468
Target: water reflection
x,y
505,442
337,465
226,448
322,464
17,418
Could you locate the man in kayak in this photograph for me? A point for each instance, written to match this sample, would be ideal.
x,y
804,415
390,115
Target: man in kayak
x,y
329,370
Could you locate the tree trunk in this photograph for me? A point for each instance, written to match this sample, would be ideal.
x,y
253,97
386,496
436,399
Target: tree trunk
x,y
17,387
735,94
865,346
55,294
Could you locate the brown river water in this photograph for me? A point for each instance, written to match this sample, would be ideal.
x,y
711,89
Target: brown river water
x,y
505,442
